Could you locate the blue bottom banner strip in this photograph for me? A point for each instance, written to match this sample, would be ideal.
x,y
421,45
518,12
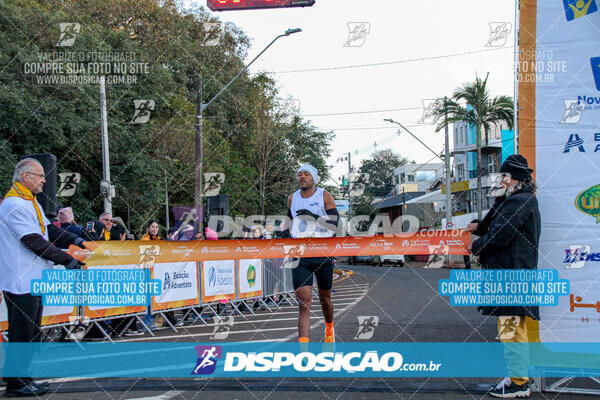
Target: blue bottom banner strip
x,y
350,359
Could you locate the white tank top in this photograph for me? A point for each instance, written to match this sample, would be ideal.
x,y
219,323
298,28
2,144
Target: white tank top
x,y
302,228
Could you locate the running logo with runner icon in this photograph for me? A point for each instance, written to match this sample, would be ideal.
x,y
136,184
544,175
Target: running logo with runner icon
x,y
508,327
207,359
222,328
366,327
292,254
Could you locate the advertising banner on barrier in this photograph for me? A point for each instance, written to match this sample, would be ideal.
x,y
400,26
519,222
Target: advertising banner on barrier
x,y
250,273
52,315
426,242
559,92
102,311
179,285
218,280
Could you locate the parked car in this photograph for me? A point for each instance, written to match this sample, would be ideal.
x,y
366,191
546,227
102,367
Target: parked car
x,y
353,260
397,260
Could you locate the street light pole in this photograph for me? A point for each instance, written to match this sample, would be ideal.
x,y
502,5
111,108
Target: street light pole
x,y
200,107
105,187
447,165
446,161
411,134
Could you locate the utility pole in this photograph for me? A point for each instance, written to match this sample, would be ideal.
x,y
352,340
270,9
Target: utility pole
x,y
106,190
445,160
447,165
198,159
349,183
167,201
200,106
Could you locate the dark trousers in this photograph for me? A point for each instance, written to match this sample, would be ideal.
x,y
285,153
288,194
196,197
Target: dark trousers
x,y
24,321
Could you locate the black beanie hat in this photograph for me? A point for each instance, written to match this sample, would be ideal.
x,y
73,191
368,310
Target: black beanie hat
x,y
516,165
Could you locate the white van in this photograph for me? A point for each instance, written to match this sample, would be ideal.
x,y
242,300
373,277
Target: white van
x,y
397,260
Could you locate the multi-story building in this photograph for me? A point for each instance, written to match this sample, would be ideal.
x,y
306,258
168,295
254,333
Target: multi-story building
x,y
410,178
499,145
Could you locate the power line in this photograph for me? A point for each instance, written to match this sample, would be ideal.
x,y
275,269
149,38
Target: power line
x,y
390,62
360,128
363,112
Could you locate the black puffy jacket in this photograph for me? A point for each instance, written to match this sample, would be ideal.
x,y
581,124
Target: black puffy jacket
x,y
509,239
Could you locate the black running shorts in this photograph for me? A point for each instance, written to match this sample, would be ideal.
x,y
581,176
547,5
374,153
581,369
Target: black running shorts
x,y
322,267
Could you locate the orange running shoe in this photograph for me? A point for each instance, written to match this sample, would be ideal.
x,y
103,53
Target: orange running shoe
x,y
329,342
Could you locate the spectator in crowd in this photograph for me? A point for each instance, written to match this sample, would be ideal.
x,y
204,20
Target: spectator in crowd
x,y
256,232
106,219
94,231
27,236
152,229
67,221
199,236
119,230
210,234
509,239
269,227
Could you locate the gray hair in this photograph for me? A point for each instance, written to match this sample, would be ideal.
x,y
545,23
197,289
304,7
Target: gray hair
x,y
24,166
103,214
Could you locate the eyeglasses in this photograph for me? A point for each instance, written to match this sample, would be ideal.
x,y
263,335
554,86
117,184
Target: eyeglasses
x,y
33,173
106,219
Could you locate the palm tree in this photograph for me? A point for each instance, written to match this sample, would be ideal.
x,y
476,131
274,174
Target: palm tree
x,y
483,112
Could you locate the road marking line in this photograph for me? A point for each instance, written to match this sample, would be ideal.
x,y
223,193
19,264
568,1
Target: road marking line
x,y
207,334
165,396
335,314
242,321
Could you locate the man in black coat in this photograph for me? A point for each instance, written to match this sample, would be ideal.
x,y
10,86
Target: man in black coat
x,y
509,239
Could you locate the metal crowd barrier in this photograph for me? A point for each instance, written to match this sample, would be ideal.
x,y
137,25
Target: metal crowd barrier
x,y
277,288
278,284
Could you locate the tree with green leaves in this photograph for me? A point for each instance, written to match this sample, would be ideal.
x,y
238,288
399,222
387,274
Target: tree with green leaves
x,y
376,176
246,135
472,104
379,168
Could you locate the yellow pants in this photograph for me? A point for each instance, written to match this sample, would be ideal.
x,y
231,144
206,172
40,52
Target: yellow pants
x,y
515,360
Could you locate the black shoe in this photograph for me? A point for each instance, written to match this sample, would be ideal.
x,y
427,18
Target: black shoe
x,y
26,391
40,384
506,389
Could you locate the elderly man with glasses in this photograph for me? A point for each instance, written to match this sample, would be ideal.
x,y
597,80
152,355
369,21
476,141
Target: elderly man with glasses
x,y
30,244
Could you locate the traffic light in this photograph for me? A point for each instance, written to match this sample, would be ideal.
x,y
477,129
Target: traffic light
x,y
225,5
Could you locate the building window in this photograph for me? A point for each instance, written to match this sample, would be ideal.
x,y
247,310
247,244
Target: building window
x,y
411,178
461,172
425,176
402,176
491,164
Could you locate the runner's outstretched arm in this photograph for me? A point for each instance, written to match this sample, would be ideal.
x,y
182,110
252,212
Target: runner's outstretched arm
x,y
332,221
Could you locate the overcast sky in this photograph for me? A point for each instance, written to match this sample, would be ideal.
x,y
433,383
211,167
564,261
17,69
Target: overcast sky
x,y
418,40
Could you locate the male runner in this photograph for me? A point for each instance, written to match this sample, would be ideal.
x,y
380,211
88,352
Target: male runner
x,y
313,213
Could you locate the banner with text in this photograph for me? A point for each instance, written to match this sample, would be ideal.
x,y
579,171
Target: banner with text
x,y
559,92
250,273
218,280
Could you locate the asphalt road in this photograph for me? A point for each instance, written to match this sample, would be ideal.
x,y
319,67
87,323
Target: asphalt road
x,y
404,300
